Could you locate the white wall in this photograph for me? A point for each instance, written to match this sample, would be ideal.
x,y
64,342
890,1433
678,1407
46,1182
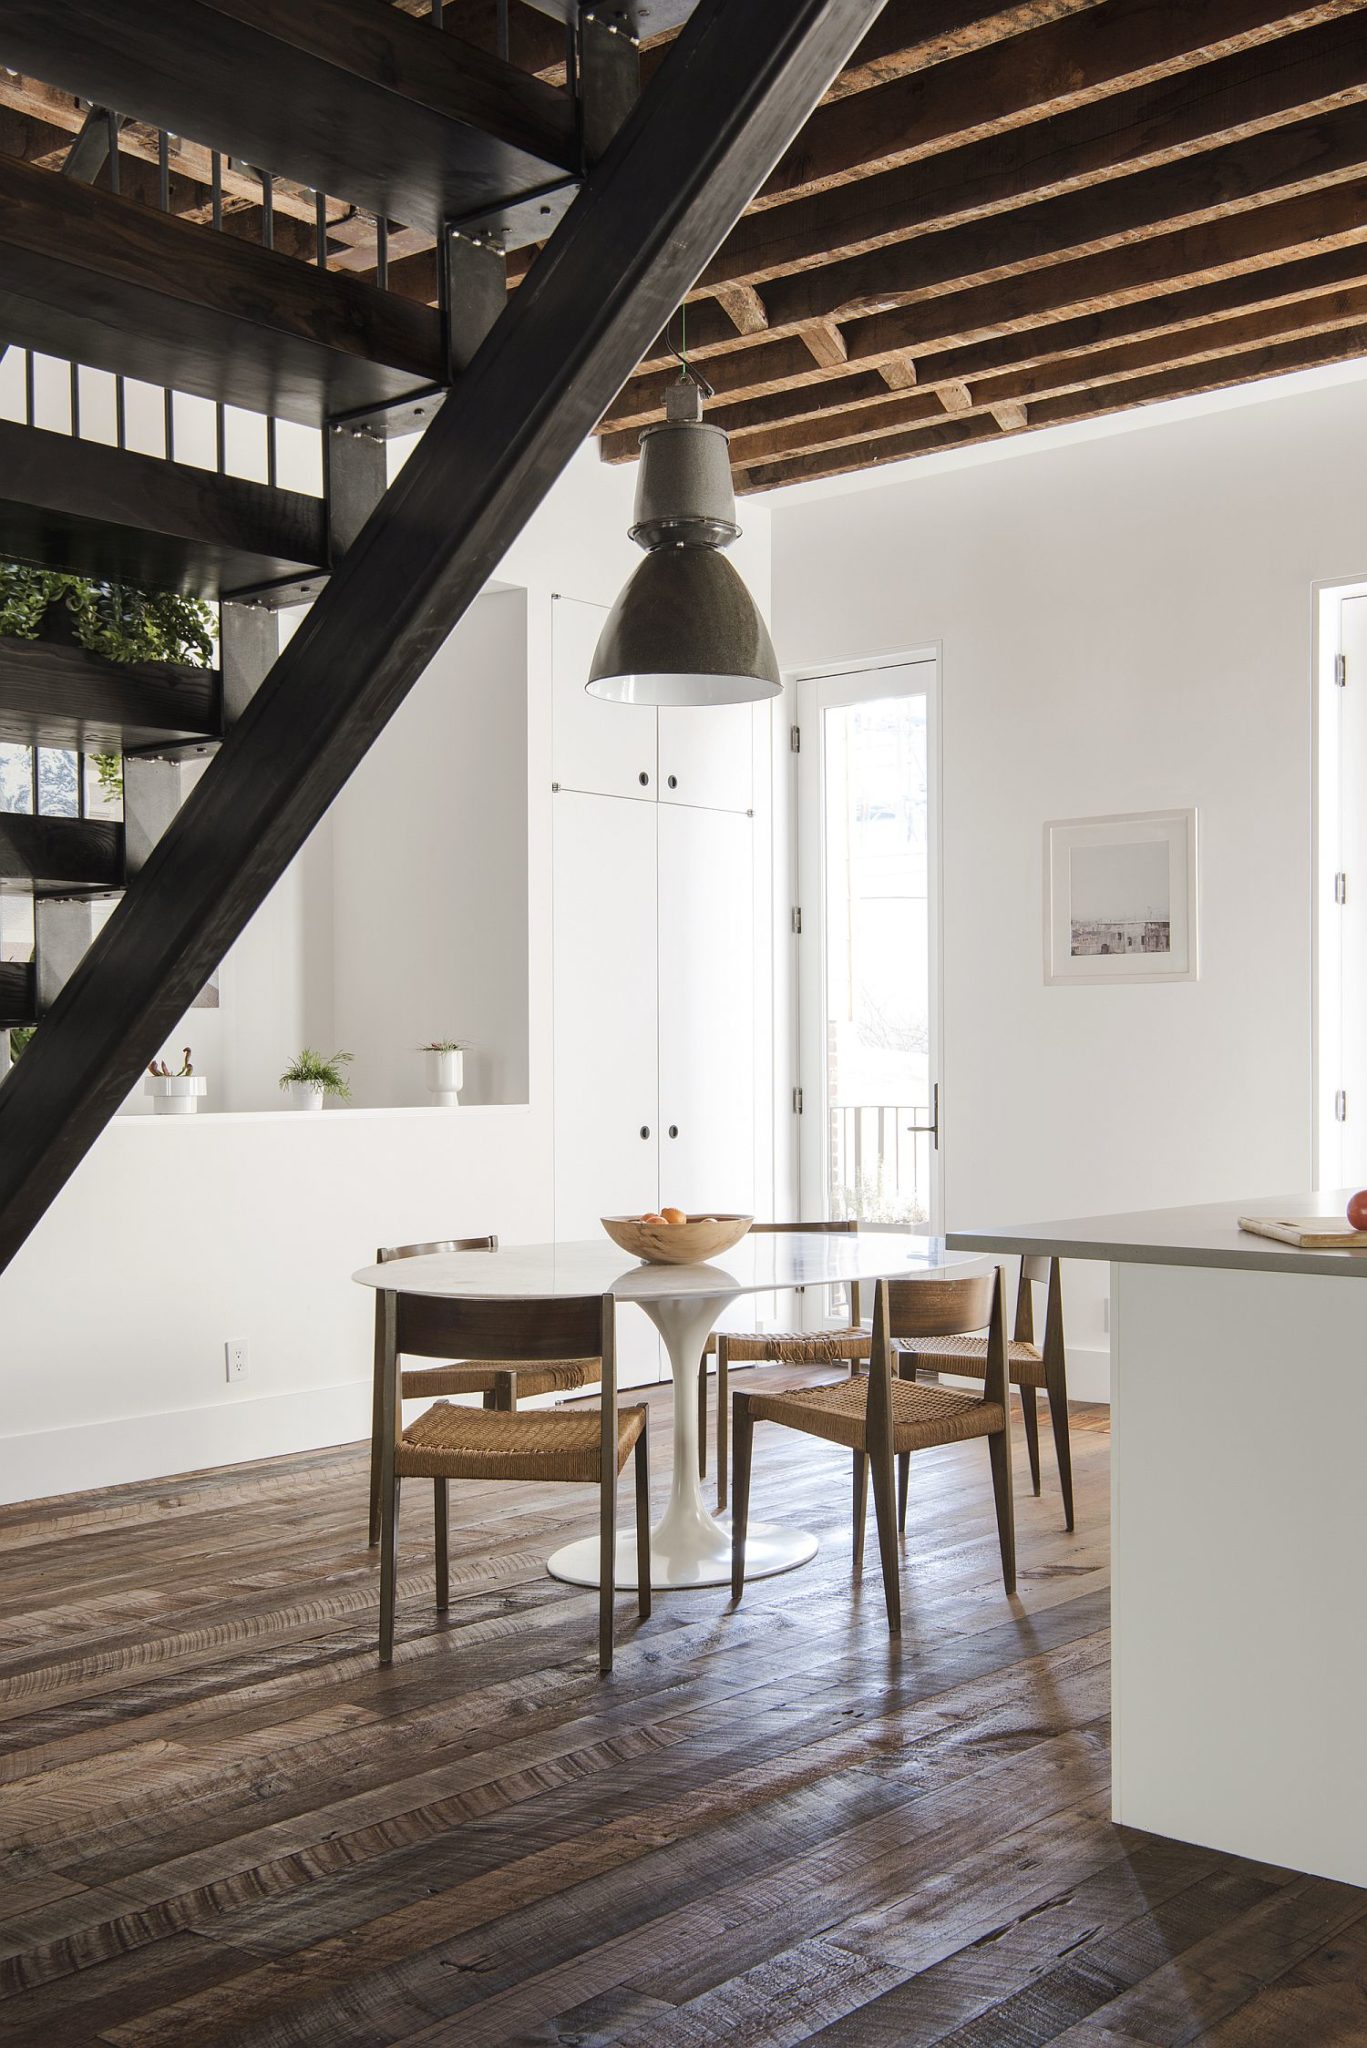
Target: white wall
x,y
1124,623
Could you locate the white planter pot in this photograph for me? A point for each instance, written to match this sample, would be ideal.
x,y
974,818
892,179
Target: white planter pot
x,y
445,1077
305,1094
175,1094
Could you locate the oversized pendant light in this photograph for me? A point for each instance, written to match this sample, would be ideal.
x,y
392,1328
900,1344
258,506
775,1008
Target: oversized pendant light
x,y
685,629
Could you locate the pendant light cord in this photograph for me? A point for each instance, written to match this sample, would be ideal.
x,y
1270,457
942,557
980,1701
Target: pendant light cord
x,y
687,374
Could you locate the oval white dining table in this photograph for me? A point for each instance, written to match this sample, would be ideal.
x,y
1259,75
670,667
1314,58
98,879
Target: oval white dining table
x,y
689,1546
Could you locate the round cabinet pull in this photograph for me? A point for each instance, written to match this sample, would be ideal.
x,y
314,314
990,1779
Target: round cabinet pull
x,y
643,778
673,781
645,1130
673,1130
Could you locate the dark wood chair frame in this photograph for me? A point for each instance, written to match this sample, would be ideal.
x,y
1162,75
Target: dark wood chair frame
x,y
435,1326
902,1308
723,1340
1036,1271
502,1395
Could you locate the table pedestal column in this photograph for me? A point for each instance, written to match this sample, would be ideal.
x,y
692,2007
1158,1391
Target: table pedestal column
x,y
690,1546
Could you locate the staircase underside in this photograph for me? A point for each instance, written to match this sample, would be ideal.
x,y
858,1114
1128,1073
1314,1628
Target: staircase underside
x,y
53,694
51,853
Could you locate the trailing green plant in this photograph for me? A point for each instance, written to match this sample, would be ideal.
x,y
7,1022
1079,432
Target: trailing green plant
x,y
19,1036
312,1069
109,775
114,620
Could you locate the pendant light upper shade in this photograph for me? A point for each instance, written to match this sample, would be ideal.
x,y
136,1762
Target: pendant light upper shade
x,y
685,629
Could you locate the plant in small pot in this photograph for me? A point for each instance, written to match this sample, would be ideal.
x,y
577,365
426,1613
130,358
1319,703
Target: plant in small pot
x,y
309,1079
178,1093
444,1059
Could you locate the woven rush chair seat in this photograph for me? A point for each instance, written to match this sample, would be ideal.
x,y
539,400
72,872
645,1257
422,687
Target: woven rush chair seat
x,y
481,1443
921,1416
485,1375
968,1356
795,1347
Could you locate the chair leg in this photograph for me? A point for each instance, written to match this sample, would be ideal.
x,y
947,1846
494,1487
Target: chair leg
x,y
884,1511
723,1411
999,1449
389,1561
607,1571
376,1435
1030,1418
1058,1416
702,1416
861,1506
643,1522
743,1432
442,1517
903,1489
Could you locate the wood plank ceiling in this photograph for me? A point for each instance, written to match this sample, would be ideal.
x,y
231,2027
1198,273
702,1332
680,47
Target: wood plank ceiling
x,y
1000,218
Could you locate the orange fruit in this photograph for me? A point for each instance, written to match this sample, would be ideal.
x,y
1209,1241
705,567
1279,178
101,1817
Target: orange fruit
x,y
674,1215
653,1217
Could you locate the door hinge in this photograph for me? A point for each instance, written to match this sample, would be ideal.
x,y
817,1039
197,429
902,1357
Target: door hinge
x,y
794,739
1341,670
1341,1105
1340,887
797,1102
797,920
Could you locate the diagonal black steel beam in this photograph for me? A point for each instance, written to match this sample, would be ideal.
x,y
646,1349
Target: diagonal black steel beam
x,y
731,95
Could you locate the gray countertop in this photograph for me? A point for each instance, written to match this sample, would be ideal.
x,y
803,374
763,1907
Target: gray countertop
x,y
1204,1236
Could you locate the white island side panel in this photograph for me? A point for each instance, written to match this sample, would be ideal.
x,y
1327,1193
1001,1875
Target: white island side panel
x,y
1239,1523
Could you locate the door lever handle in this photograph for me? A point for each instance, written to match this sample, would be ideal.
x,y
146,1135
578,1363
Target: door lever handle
x,y
932,1129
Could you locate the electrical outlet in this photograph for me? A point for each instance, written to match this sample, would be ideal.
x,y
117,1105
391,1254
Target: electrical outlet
x,y
235,1358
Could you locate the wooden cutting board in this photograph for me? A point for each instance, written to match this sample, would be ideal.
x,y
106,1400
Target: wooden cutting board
x,y
1308,1233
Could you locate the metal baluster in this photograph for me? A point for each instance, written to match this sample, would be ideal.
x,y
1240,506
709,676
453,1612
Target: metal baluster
x,y
75,401
436,13
268,209
381,252
320,229
216,214
120,414
112,121
571,60
30,388
164,201
504,41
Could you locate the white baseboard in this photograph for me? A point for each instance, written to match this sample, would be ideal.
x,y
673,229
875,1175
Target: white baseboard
x,y
96,1454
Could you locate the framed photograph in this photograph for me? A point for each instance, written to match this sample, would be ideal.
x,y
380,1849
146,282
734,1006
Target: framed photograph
x,y
1120,898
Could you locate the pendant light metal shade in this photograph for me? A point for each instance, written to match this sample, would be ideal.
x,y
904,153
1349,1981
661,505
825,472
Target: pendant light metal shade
x,y
685,630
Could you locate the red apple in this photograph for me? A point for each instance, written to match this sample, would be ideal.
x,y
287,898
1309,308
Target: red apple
x,y
1357,1209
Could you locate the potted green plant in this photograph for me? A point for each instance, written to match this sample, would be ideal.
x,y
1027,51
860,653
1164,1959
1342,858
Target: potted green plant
x,y
114,620
309,1079
445,1063
175,1093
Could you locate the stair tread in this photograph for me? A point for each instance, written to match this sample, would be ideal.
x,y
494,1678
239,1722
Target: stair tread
x,y
56,694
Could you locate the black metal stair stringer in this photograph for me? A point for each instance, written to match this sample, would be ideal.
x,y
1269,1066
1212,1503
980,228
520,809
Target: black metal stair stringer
x,y
719,112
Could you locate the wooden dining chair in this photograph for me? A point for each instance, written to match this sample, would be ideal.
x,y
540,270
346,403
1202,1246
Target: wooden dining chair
x,y
848,1346
879,1417
447,1442
500,1387
1030,1369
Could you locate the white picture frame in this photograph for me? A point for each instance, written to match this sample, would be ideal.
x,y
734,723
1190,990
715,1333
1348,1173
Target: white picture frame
x,y
1120,898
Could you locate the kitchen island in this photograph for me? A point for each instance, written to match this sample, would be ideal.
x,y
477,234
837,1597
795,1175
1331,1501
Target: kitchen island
x,y
1239,1527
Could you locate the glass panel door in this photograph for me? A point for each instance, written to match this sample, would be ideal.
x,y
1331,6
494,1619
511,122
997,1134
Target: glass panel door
x,y
870,1099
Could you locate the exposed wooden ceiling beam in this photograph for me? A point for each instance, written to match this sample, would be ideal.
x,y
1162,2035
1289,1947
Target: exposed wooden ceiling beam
x,y
1241,241
1008,391
1236,96
1302,157
1090,402
1312,279
1087,56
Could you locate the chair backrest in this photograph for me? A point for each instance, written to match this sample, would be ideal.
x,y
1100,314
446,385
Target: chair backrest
x,y
940,1308
494,1328
1039,1271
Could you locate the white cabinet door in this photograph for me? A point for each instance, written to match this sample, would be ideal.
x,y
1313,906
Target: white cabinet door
x,y
705,756
707,1009
609,748
606,1031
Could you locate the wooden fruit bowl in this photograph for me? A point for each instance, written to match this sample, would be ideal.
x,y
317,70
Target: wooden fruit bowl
x,y
677,1244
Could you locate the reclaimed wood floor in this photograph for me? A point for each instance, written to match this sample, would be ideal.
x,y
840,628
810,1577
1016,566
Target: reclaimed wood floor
x,y
220,1822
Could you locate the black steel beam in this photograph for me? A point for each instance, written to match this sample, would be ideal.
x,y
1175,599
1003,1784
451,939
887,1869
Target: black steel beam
x,y
58,695
18,997
737,87
109,282
73,504
348,96
84,852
